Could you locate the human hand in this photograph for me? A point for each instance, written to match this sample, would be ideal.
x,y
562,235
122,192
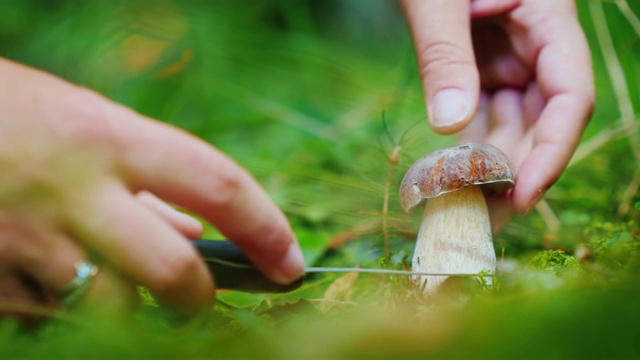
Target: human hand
x,y
78,174
512,73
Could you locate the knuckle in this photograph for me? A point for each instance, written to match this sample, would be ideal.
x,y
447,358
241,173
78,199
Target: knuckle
x,y
82,104
88,115
440,54
222,186
583,101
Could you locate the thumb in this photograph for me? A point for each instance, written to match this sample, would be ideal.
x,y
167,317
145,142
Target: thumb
x,y
442,39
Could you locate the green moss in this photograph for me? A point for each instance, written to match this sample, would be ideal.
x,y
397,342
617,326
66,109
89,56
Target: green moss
x,y
554,260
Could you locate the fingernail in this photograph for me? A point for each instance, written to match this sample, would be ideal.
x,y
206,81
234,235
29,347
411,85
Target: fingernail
x,y
449,107
292,265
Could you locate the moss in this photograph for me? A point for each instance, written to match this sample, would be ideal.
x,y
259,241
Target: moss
x,y
556,261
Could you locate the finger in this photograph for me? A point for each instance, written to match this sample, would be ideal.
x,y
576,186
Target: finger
x,y
501,211
506,121
565,82
441,35
42,251
22,299
56,272
15,287
504,70
109,293
484,8
190,173
497,63
50,260
554,141
477,130
141,246
506,131
188,226
533,104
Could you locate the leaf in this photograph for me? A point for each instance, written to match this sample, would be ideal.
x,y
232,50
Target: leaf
x,y
339,291
300,307
239,299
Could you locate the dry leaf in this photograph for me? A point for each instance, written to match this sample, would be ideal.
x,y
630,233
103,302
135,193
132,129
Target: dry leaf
x,y
339,291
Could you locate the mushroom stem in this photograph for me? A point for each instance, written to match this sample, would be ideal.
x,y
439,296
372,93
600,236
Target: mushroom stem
x,y
455,237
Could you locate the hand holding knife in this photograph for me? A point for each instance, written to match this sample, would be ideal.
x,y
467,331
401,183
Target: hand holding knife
x,y
232,270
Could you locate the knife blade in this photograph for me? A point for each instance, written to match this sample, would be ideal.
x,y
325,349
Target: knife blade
x,y
232,269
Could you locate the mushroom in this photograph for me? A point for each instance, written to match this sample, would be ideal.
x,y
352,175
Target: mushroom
x,y
455,234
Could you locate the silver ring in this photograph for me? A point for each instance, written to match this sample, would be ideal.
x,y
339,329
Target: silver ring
x,y
85,271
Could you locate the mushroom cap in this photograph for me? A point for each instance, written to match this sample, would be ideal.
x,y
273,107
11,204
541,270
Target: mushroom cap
x,y
452,169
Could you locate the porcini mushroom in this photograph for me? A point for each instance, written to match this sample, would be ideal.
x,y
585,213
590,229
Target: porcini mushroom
x,y
455,234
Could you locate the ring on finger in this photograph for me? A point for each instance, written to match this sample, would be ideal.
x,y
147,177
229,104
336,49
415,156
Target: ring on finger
x,y
85,272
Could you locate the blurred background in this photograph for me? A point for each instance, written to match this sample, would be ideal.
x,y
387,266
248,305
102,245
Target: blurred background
x,y
313,96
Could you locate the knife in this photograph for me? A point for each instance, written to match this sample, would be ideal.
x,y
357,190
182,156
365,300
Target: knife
x,y
232,270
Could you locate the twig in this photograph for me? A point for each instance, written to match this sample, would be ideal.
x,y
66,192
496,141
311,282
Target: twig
x,y
548,216
603,138
628,194
619,84
393,161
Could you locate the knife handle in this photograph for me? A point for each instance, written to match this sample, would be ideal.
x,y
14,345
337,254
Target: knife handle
x,y
232,270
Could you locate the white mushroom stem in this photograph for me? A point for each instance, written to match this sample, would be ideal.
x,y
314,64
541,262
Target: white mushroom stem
x,y
455,237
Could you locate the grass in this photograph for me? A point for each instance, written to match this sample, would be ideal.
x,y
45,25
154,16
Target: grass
x,y
332,88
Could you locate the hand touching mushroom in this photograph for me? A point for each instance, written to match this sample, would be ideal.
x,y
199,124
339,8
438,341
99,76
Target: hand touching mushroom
x,y
522,66
455,234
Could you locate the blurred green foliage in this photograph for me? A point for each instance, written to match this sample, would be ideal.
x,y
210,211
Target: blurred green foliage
x,y
311,96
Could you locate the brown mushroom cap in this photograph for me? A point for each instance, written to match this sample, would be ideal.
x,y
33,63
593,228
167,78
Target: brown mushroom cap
x,y
451,169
